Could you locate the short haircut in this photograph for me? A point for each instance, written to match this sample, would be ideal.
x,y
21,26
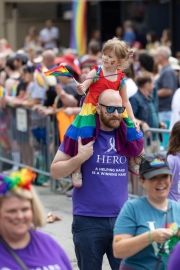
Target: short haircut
x,y
146,61
28,69
164,50
143,78
94,47
10,63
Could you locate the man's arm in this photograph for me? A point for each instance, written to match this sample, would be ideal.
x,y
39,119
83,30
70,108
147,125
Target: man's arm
x,y
63,165
164,92
67,99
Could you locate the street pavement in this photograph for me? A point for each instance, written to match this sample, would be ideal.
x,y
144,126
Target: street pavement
x,y
58,205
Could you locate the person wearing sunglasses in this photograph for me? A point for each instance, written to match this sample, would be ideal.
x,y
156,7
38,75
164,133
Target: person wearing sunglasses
x,y
97,203
115,54
146,223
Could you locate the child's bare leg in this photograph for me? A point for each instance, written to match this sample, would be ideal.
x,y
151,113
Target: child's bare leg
x,y
139,157
133,166
77,178
134,163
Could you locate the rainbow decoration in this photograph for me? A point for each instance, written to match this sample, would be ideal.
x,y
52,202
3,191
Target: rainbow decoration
x,y
38,78
172,226
157,162
4,143
78,26
16,180
86,123
14,90
2,92
58,71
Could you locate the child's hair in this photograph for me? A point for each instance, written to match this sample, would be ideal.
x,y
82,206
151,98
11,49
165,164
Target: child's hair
x,y
120,48
174,140
28,69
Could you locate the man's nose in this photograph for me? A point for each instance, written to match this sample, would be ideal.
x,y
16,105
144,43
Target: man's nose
x,y
115,112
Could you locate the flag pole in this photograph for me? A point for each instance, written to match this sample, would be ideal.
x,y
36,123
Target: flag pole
x,y
77,84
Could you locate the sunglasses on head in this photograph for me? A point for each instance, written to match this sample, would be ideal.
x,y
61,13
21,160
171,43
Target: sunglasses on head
x,y
111,109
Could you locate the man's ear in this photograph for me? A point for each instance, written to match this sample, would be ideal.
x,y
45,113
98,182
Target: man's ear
x,y
98,108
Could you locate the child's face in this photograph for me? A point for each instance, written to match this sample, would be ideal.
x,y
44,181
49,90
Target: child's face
x,y
109,59
27,77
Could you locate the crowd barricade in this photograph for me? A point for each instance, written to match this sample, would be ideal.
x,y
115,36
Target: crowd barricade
x,y
28,139
155,140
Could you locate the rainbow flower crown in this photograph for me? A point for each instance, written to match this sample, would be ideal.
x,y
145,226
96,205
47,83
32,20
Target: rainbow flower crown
x,y
16,180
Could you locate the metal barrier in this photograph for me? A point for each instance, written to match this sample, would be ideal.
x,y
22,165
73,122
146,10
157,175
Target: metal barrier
x,y
29,140
155,140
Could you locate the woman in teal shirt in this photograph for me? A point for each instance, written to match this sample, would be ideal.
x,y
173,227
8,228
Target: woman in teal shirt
x,y
145,223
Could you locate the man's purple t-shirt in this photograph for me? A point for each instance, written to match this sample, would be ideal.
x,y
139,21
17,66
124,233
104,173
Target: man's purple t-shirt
x,y
174,165
105,180
42,253
174,259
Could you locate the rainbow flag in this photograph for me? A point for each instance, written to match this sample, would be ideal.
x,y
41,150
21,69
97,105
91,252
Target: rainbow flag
x,y
58,71
2,92
78,26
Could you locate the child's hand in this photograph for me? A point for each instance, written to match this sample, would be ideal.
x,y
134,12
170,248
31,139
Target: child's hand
x,y
136,124
81,89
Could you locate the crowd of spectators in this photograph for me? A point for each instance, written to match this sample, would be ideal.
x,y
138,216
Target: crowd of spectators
x,y
153,87
152,76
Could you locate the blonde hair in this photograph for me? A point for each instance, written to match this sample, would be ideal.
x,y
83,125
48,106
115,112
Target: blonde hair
x,y
120,48
37,207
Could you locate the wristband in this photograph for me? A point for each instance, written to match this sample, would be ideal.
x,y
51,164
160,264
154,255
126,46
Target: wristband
x,y
149,237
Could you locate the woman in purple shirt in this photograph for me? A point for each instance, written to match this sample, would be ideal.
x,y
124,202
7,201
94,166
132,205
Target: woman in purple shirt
x,y
173,158
20,214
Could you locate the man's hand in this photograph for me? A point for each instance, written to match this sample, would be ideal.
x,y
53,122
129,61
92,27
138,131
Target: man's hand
x,y
68,111
59,90
146,127
162,125
85,151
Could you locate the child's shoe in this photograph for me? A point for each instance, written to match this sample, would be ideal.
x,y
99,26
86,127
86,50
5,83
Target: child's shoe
x,y
134,169
77,180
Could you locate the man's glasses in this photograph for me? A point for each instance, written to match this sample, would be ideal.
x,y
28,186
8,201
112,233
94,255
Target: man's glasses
x,y
111,109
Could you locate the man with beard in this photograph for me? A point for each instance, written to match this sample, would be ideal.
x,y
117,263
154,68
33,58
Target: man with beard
x,y
105,186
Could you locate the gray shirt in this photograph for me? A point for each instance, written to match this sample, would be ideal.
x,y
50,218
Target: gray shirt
x,y
167,79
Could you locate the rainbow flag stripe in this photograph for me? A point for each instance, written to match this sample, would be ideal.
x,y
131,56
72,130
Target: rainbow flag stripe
x,y
58,71
78,26
2,92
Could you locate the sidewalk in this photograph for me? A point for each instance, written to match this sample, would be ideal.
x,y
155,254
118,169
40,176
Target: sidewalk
x,y
61,230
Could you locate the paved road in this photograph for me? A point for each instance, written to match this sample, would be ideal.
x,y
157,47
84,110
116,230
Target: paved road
x,y
61,230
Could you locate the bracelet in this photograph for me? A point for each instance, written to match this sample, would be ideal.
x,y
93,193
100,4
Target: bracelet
x,y
149,237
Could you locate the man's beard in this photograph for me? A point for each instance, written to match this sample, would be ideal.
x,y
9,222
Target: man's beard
x,y
110,121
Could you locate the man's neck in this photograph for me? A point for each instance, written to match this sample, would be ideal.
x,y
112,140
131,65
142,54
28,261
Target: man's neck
x,y
165,63
145,92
